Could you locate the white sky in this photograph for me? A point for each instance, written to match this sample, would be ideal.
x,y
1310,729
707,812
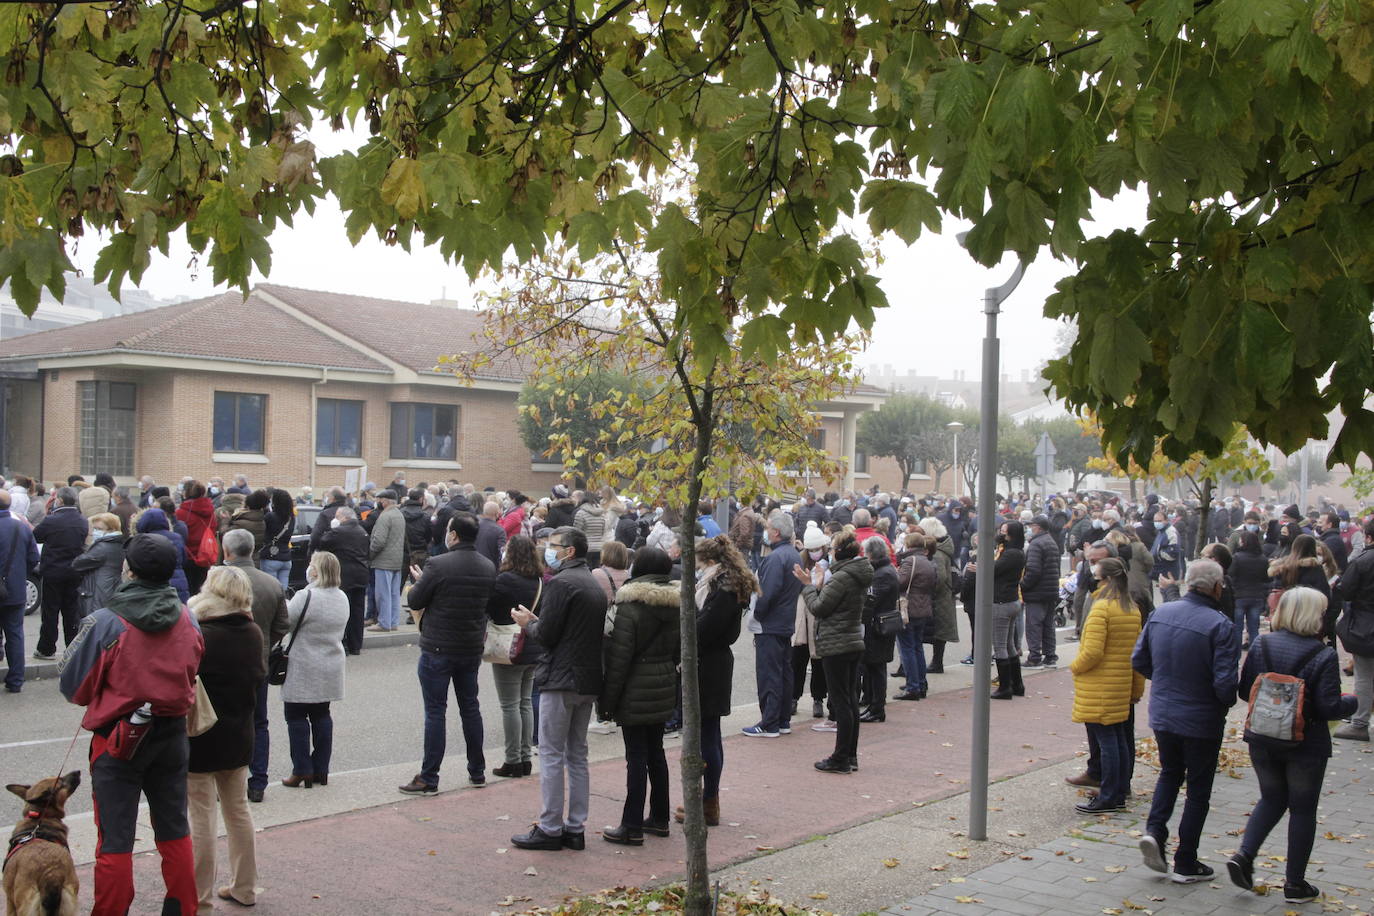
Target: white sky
x,y
934,325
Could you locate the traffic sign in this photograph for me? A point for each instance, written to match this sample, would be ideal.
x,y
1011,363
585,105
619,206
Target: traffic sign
x,y
1044,456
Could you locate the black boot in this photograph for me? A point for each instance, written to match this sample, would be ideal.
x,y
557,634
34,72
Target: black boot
x,y
937,658
1004,681
1018,686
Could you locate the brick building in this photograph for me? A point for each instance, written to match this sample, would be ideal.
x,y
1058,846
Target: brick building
x,y
288,386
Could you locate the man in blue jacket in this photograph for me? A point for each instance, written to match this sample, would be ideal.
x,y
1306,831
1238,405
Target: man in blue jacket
x,y
775,614
63,535
18,558
1188,652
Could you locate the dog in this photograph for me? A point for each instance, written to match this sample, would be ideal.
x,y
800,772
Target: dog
x,y
40,877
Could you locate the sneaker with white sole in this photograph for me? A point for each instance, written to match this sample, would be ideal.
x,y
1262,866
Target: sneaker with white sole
x,y
1152,850
758,731
785,730
826,726
1191,874
1302,892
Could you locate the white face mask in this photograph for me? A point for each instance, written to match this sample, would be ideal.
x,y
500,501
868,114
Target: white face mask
x,y
335,522
816,554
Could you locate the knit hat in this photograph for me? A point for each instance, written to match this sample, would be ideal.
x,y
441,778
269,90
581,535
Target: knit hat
x,y
151,557
1293,512
814,538
560,491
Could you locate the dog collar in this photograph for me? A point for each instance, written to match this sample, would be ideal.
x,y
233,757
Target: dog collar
x,y
35,832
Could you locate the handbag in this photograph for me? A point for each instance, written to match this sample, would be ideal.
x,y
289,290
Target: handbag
x,y
202,716
1356,631
888,623
1273,601
280,655
505,641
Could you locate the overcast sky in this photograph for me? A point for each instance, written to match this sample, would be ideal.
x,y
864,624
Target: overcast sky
x,y
935,323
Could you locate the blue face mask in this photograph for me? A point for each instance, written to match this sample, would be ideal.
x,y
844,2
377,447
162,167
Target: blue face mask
x,y
1252,527
551,557
1161,525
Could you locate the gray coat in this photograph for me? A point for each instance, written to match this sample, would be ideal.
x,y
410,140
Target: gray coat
x,y
944,625
316,671
101,567
388,547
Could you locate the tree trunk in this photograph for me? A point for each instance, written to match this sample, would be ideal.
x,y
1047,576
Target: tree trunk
x,y
1204,521
698,897
1133,490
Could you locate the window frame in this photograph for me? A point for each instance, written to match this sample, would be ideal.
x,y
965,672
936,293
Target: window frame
x,y
410,408
262,423
101,411
337,404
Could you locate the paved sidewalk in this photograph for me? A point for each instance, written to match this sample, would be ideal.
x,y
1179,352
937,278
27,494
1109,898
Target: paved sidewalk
x,y
1096,868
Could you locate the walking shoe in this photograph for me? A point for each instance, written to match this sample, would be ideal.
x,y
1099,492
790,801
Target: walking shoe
x,y
418,786
898,673
1152,851
602,727
1098,806
1083,780
966,660
477,779
1192,874
869,715
510,770
575,841
656,828
834,765
1242,871
538,839
825,726
1352,733
1302,892
378,628
671,728
818,710
254,794
758,731
44,656
623,836
785,730
1049,666
1035,665
907,695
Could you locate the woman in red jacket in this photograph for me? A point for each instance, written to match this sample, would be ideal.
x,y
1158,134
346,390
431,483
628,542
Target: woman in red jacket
x,y
197,512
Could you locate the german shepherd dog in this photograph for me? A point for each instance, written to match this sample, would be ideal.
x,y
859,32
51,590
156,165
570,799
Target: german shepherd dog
x,y
40,878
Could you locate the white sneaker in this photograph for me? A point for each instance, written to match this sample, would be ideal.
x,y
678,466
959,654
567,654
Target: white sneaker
x,y
602,727
826,726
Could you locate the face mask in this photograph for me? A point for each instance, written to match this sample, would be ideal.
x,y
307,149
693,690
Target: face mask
x,y
551,557
335,522
1252,527
1096,573
310,574
1161,525
1099,524
816,554
1345,525
953,513
214,491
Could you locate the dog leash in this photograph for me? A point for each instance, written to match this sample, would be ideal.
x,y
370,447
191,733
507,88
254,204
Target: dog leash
x,y
37,831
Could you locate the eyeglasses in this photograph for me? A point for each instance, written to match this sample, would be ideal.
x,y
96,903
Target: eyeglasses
x,y
559,546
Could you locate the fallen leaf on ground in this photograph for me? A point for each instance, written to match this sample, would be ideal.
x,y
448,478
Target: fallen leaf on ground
x,y
819,895
1115,869
958,853
891,863
532,872
937,868
962,899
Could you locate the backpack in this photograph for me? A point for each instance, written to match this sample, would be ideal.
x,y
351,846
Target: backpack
x,y
206,553
1275,718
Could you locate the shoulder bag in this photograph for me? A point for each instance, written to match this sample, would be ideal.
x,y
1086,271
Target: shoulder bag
x,y
202,716
279,657
505,641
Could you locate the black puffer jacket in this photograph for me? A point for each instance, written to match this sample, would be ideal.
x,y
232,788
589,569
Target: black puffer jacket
x,y
349,543
510,591
1040,581
640,685
417,526
838,607
718,626
569,628
1284,652
561,512
454,592
1250,574
882,597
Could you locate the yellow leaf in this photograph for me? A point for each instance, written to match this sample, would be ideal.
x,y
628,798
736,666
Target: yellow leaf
x,y
958,853
1115,869
403,188
962,899
1112,910
820,895
891,863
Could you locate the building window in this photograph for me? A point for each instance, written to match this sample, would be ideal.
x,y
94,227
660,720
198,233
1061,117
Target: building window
x,y
860,462
339,428
108,428
816,439
428,431
239,422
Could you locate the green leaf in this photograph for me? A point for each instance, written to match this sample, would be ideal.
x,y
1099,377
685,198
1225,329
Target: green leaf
x,y
903,207
1119,348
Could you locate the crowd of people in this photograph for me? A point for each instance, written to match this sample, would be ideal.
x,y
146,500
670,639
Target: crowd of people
x,y
575,601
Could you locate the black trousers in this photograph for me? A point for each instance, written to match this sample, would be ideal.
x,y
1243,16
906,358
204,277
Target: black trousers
x,y
646,772
353,630
842,680
874,686
61,600
801,656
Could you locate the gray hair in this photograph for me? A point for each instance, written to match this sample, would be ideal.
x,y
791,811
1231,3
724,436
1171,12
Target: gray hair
x,y
875,548
66,496
1203,576
241,480
1111,516
862,518
491,509
345,514
1107,546
238,543
781,522
122,492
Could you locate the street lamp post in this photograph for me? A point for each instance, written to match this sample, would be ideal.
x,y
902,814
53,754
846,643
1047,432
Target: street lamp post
x,y
993,298
956,427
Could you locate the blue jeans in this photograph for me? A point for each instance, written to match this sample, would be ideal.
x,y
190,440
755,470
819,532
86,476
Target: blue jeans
x,y
1248,611
1291,783
1116,763
713,755
12,625
912,651
1181,758
281,569
257,768
388,587
435,672
307,724
773,675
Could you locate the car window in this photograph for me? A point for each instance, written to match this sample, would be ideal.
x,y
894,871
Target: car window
x,y
305,519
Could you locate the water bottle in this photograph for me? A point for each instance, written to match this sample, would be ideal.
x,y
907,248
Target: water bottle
x,y
128,734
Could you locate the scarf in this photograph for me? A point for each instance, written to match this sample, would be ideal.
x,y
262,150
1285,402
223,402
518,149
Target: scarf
x,y
705,576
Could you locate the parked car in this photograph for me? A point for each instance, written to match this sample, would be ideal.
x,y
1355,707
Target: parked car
x,y
300,544
33,595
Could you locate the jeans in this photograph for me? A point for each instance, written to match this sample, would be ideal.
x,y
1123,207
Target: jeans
x,y
436,671
842,679
911,650
1094,765
646,770
307,724
353,630
1181,758
12,631
388,587
1248,611
257,768
773,674
1292,784
563,720
1116,784
1004,642
713,755
281,569
61,599
514,684
1040,634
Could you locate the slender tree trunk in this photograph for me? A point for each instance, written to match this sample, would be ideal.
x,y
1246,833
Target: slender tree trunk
x,y
698,898
1204,521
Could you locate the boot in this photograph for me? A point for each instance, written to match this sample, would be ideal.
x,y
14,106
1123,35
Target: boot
x,y
1003,691
937,658
1018,686
712,809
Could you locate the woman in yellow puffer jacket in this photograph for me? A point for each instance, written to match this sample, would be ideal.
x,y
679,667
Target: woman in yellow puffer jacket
x,y
1104,685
